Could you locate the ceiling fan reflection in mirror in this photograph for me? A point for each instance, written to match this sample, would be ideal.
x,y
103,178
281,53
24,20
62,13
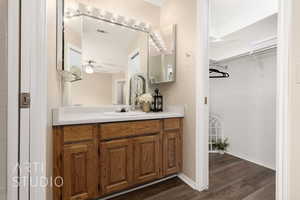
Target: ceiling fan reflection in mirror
x,y
92,66
89,67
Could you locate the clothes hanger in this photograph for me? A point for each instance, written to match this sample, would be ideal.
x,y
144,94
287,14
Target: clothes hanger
x,y
222,74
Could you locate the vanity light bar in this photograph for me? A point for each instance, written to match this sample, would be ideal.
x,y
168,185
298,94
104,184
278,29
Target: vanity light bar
x,y
84,10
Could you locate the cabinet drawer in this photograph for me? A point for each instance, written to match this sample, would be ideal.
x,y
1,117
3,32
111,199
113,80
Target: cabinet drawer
x,y
147,127
116,130
172,124
78,133
126,129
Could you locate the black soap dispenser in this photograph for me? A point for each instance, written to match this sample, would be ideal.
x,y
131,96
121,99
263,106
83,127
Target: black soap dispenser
x,y
157,101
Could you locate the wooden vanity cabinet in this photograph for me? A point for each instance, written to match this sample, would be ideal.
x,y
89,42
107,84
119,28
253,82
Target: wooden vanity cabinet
x,y
101,159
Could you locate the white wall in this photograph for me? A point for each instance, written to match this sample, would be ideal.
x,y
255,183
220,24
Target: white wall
x,y
182,92
231,15
3,98
246,102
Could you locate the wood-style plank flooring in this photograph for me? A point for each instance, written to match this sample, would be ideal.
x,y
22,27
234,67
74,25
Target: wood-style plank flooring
x,y
230,179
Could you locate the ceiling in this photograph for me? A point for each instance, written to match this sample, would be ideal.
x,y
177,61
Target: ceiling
x,y
245,40
229,16
123,37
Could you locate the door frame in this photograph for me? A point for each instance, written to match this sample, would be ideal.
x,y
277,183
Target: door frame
x,y
282,97
115,88
33,60
39,95
12,99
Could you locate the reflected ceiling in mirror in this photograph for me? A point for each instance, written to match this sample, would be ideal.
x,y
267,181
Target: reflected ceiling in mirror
x,y
107,47
110,56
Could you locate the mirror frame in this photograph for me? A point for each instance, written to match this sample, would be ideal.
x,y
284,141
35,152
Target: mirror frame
x,y
60,14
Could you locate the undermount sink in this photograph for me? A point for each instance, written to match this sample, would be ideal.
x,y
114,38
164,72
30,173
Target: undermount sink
x,y
123,113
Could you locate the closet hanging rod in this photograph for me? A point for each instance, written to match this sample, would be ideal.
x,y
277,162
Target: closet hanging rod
x,y
218,65
249,53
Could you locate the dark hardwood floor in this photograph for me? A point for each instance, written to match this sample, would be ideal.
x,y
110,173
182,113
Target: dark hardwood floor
x,y
230,179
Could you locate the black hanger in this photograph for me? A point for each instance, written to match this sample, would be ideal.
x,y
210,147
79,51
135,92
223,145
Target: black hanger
x,y
221,74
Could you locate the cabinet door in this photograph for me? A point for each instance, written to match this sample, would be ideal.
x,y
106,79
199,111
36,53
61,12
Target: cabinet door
x,y
80,171
147,158
116,165
172,152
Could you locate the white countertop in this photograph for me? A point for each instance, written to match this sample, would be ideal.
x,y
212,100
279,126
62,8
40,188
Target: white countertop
x,y
91,115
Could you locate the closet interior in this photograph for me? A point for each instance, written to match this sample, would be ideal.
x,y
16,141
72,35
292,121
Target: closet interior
x,y
242,72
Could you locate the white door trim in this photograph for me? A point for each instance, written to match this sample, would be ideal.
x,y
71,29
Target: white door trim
x,y
38,115
202,91
282,97
27,63
282,116
38,110
33,121
13,99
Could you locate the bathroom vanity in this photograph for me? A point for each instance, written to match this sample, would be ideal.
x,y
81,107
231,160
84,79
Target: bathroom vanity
x,y
107,59
101,158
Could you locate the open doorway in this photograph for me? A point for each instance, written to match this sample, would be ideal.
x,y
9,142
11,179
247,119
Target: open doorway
x,y
242,91
120,91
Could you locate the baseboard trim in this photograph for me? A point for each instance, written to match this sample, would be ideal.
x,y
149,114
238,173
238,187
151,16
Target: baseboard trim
x,y
181,176
253,161
188,181
137,188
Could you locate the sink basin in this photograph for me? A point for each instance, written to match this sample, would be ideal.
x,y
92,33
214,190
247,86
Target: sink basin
x,y
123,113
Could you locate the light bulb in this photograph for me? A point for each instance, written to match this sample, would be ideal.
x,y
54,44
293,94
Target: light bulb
x,y
89,69
89,9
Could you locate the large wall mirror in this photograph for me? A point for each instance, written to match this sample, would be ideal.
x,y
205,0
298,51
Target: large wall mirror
x,y
107,60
